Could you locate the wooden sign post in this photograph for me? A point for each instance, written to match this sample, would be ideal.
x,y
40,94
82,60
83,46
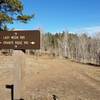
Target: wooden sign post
x,y
11,87
19,40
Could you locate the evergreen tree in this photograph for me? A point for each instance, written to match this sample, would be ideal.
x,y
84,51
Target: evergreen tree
x,y
10,11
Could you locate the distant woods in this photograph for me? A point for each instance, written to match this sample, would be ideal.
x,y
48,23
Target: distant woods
x,y
79,48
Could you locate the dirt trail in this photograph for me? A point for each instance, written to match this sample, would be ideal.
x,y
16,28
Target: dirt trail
x,y
44,77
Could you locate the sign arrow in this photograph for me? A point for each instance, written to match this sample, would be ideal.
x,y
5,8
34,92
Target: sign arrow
x,y
32,42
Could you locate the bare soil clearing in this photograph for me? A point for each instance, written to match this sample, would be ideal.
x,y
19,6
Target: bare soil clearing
x,y
43,77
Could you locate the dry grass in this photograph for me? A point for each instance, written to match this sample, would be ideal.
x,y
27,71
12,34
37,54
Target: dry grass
x,y
43,77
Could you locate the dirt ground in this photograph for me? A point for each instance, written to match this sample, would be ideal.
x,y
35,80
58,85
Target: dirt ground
x,y
44,78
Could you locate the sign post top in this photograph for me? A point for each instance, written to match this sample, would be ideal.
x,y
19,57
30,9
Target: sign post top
x,y
23,39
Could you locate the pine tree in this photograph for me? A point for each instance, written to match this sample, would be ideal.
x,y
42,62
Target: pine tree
x,y
10,11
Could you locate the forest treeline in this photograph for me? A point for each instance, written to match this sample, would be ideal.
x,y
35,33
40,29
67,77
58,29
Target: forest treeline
x,y
77,47
80,48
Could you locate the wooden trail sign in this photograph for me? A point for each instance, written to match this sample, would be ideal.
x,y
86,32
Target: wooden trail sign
x,y
18,40
28,39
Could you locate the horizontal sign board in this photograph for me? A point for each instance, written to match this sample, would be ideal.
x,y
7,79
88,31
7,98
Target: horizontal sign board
x,y
29,39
